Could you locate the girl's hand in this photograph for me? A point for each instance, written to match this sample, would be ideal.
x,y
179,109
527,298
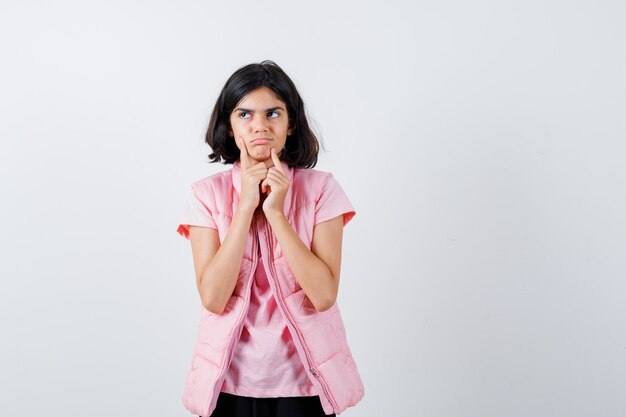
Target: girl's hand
x,y
276,183
251,176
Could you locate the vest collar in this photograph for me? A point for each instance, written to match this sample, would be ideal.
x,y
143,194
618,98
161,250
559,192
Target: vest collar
x,y
236,174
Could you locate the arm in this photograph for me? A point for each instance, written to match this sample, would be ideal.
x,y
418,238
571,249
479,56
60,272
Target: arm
x,y
217,266
316,270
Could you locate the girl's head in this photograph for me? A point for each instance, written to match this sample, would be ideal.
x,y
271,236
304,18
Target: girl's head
x,y
261,101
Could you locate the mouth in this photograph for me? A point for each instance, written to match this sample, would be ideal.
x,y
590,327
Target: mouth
x,y
260,141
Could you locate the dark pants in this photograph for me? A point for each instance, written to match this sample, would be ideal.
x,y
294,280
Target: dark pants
x,y
229,405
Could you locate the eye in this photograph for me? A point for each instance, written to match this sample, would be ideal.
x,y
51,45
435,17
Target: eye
x,y
273,112
241,115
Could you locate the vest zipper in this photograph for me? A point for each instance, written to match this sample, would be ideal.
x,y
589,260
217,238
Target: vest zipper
x,y
279,297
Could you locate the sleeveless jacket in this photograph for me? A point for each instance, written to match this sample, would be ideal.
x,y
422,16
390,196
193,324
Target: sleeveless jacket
x,y
319,337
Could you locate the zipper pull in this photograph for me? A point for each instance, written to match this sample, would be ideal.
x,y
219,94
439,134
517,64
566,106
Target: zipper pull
x,y
314,371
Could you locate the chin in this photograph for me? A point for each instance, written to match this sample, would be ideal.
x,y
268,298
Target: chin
x,y
262,156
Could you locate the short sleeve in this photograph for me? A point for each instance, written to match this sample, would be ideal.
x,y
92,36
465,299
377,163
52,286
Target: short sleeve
x,y
333,202
195,213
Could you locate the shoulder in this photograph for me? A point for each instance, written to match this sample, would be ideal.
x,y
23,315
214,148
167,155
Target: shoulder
x,y
214,190
323,191
212,182
311,179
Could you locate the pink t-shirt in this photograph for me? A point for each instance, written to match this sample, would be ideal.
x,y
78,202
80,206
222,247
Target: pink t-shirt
x,y
265,361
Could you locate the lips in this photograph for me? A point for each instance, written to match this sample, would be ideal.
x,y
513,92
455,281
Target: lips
x,y
260,141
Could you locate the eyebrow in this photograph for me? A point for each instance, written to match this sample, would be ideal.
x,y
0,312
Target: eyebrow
x,y
252,111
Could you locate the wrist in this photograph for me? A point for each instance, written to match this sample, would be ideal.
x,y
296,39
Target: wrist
x,y
246,210
274,215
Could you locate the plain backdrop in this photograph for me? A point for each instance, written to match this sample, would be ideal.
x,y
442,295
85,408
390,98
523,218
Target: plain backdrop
x,y
481,144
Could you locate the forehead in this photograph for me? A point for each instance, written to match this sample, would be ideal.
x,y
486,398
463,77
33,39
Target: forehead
x,y
260,96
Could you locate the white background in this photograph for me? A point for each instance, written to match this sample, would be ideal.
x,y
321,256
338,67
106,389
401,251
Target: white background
x,y
481,144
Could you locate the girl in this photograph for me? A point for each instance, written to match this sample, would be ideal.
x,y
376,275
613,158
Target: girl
x,y
266,241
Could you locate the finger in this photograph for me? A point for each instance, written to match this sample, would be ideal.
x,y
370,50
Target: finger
x,y
255,177
275,177
264,185
274,183
277,162
259,171
243,153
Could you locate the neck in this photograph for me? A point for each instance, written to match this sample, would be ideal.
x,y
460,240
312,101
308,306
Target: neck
x,y
268,162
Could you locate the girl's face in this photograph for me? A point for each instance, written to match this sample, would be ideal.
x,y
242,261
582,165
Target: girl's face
x,y
261,119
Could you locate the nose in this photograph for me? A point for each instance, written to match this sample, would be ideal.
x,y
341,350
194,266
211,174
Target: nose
x,y
260,124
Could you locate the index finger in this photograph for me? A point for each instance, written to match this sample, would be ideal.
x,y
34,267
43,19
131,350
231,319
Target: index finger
x,y
243,153
277,162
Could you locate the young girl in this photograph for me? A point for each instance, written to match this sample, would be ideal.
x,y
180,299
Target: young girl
x,y
266,240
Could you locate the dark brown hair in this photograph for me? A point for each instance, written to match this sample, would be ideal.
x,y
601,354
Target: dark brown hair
x,y
301,148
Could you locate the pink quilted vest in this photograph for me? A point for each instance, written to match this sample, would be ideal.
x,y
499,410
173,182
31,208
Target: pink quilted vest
x,y
319,337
